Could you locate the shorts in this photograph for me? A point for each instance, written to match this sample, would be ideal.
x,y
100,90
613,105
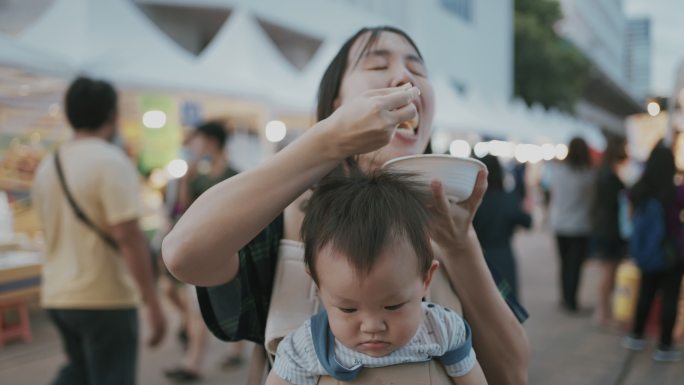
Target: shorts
x,y
609,249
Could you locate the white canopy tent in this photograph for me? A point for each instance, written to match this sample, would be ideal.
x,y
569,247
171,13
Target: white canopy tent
x,y
17,55
242,54
114,40
313,72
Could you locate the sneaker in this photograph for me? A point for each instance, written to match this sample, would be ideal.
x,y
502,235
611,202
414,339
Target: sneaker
x,y
634,343
667,355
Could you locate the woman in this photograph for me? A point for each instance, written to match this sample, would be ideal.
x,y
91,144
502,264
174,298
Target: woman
x,y
572,183
610,247
377,81
499,214
657,183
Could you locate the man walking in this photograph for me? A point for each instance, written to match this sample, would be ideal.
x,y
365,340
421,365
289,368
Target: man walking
x,y
87,197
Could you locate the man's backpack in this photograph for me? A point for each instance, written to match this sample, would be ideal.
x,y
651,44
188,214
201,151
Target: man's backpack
x,y
649,244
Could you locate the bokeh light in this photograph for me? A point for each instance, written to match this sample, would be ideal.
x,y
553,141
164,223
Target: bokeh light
x,y
154,119
481,149
561,151
275,131
460,148
653,108
177,168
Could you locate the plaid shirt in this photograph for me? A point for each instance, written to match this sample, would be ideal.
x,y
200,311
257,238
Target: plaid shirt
x,y
237,310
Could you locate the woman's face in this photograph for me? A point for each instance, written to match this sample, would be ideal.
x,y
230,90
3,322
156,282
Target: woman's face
x,y
390,62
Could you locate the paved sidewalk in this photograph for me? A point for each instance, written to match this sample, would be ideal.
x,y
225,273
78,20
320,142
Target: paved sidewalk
x,y
569,350
566,350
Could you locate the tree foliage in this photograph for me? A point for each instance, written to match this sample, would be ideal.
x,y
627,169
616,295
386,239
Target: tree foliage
x,y
547,69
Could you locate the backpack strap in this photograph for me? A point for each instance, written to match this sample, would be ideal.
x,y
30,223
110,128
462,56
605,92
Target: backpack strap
x,y
324,345
80,214
453,356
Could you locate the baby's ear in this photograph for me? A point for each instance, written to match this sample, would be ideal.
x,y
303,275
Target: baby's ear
x,y
430,273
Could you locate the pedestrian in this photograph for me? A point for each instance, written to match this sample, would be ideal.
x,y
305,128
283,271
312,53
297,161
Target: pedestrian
x,y
655,245
97,266
572,186
207,165
610,248
500,213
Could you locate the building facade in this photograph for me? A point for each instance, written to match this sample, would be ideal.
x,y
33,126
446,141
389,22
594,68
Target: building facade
x,y
638,62
599,28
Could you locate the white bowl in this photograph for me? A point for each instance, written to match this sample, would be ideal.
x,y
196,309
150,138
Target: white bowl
x,y
458,175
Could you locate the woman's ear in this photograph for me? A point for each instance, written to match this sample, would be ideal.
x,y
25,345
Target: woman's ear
x,y
428,276
336,103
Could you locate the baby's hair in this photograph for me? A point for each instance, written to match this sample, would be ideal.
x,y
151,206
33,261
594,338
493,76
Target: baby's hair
x,y
358,214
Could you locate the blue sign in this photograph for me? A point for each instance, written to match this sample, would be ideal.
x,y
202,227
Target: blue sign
x,y
190,114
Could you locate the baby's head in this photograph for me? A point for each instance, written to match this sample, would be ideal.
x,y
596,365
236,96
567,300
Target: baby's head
x,y
367,247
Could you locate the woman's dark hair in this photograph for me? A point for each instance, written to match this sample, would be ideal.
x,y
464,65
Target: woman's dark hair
x,y
578,154
495,178
615,152
657,179
89,103
359,214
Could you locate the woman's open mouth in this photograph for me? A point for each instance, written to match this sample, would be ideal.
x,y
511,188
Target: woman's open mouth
x,y
409,127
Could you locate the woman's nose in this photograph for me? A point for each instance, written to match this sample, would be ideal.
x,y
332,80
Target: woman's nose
x,y
401,75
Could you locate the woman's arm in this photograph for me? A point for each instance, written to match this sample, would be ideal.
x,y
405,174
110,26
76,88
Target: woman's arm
x,y
202,248
499,339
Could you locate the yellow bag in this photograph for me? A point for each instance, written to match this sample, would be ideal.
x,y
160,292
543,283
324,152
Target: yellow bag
x,y
626,293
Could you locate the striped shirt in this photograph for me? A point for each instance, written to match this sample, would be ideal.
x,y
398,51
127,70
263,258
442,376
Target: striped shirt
x,y
441,331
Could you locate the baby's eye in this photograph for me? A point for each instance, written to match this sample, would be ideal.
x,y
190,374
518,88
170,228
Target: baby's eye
x,y
347,310
394,307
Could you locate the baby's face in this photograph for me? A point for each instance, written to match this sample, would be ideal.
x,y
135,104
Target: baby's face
x,y
380,312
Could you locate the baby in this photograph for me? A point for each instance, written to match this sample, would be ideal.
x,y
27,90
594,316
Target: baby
x,y
367,248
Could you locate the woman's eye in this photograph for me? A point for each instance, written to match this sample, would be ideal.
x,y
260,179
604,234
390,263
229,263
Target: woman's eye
x,y
417,71
377,68
394,307
347,310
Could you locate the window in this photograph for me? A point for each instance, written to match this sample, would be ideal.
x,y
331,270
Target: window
x,y
460,8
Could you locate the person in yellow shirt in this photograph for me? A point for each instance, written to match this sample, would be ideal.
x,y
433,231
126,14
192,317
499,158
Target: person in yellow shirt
x,y
87,197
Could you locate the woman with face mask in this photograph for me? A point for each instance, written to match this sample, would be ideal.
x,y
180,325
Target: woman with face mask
x,y
375,103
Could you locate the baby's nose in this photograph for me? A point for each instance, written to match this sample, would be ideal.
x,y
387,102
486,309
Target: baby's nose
x,y
373,325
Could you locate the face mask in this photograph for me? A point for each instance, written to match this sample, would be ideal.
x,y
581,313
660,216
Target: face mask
x,y
204,165
185,154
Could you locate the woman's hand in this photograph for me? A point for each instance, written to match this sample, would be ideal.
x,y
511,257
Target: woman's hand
x,y
367,122
452,222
